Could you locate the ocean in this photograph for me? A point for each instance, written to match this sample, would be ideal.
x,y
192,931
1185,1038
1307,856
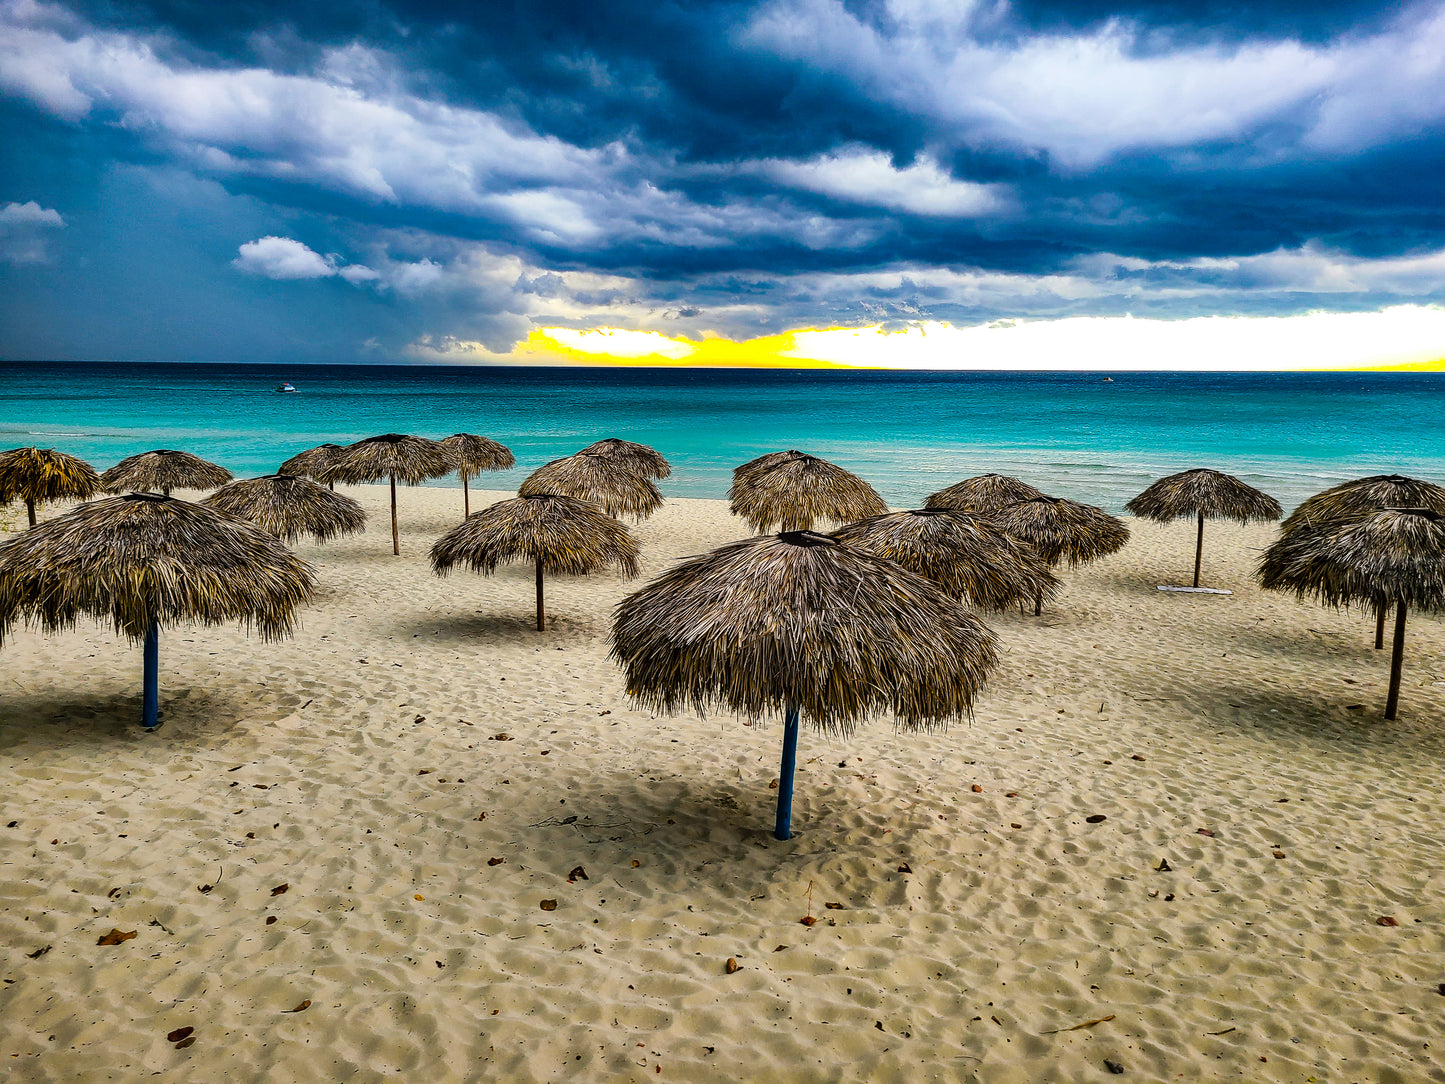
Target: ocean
x,y
1075,435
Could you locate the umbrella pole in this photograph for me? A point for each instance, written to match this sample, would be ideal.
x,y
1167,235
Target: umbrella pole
x,y
1199,549
1397,656
541,609
783,828
1038,604
1380,627
30,508
466,501
151,679
395,538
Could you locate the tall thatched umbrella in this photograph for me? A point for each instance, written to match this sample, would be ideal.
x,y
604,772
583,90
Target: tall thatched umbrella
x,y
392,456
314,463
558,534
648,462
593,476
794,490
472,455
1395,556
1204,493
36,475
164,469
803,624
289,507
967,553
1367,495
1063,530
982,493
143,561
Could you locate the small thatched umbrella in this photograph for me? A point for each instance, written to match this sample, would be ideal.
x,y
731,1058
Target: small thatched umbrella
x,y
1063,530
163,469
1366,495
143,561
392,456
608,483
803,624
648,462
472,455
289,507
1395,556
794,490
982,493
36,475
314,463
558,534
967,553
1207,494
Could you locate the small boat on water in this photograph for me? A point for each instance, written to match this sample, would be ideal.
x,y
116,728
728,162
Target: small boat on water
x,y
286,386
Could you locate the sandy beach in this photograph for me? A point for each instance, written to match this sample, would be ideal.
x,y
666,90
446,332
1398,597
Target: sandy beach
x,y
338,852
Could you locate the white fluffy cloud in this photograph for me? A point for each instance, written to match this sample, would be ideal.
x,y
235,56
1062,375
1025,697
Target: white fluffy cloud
x,y
282,258
25,230
868,177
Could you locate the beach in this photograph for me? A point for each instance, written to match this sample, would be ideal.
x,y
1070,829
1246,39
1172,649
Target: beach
x,y
1178,838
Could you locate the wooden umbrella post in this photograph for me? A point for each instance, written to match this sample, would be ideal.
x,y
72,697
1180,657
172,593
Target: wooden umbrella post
x,y
30,509
1199,549
466,501
1038,604
151,678
1380,626
1397,656
783,828
395,536
541,608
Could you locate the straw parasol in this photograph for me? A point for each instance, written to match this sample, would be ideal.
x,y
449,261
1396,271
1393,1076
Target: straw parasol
x,y
1391,557
982,493
793,490
472,455
803,624
314,463
36,475
556,533
164,469
143,561
289,507
643,460
594,476
1207,494
967,553
391,456
1367,495
1063,530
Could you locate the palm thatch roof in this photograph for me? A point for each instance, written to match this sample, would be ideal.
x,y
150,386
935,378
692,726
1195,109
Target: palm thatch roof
x,y
563,534
607,482
982,493
1063,530
314,463
644,460
37,475
407,459
1366,495
472,454
144,559
1207,493
798,620
289,507
967,553
794,490
163,469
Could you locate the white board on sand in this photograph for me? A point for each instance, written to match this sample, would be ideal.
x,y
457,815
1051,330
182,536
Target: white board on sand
x,y
1197,590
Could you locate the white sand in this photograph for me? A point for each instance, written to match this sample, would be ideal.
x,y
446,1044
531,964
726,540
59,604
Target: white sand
x,y
354,763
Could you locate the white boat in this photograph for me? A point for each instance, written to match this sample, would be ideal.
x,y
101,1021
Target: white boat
x,y
287,386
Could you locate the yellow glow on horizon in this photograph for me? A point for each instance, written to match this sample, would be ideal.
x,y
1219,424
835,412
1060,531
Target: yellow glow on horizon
x,y
615,346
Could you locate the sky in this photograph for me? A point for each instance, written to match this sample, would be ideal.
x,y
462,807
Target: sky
x,y
1043,184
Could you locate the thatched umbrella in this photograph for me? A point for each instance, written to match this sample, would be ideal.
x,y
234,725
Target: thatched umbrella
x,y
472,455
803,624
1063,530
558,534
1204,493
648,462
1367,495
143,561
794,490
314,463
392,456
289,507
1391,557
164,469
967,553
35,475
613,486
982,493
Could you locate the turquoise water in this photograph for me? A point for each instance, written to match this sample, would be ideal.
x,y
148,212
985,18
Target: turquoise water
x,y
908,433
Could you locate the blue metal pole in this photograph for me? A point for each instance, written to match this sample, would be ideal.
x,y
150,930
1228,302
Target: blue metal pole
x,y
151,679
784,826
